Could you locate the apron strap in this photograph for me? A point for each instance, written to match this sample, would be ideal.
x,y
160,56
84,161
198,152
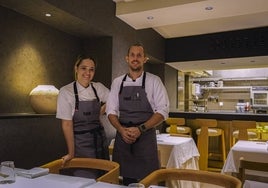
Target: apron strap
x,y
121,86
143,80
76,97
95,92
125,77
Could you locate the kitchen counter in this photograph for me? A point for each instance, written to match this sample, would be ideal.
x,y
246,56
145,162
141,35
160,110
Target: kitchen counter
x,y
220,115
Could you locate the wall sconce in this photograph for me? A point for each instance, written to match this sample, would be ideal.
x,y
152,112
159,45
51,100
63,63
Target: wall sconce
x,y
43,99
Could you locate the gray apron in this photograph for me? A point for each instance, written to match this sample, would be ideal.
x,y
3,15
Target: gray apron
x,y
89,135
140,158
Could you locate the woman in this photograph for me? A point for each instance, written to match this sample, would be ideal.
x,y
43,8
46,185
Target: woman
x,y
79,107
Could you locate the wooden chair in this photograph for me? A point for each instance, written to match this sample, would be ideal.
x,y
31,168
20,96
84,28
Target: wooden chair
x,y
111,148
112,168
244,130
213,178
179,125
255,166
203,134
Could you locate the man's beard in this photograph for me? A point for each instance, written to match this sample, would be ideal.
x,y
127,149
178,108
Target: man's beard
x,y
136,69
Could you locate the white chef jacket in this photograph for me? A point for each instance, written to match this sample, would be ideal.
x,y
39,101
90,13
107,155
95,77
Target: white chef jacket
x,y
154,88
66,98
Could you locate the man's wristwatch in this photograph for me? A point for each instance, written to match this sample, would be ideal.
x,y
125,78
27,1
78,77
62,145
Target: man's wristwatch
x,y
142,128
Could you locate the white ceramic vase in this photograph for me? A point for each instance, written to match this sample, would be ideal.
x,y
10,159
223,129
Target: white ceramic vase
x,y
43,99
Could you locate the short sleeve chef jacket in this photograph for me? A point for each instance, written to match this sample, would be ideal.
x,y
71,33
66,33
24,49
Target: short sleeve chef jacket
x,y
66,98
154,88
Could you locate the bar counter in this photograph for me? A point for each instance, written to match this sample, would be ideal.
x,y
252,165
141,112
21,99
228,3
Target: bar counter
x,y
221,115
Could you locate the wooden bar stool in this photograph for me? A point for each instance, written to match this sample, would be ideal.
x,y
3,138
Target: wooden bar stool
x,y
204,132
244,130
177,126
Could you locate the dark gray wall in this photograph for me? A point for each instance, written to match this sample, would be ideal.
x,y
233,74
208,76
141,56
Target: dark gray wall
x,y
31,141
100,49
41,54
101,15
33,53
231,44
171,83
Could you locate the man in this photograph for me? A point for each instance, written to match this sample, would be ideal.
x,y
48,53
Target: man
x,y
137,102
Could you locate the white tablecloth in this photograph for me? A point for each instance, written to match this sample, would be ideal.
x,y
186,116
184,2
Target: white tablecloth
x,y
104,185
178,152
254,184
249,150
108,185
50,181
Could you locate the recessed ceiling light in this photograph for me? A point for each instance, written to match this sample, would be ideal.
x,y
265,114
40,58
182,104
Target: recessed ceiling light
x,y
208,8
150,18
48,15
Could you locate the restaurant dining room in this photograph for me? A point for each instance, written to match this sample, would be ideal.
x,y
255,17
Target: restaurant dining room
x,y
210,56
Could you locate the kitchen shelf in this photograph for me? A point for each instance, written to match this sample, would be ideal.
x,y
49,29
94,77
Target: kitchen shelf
x,y
237,88
215,79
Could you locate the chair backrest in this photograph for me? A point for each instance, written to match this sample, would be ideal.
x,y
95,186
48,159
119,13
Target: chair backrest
x,y
204,125
242,127
255,166
111,168
177,126
213,178
175,121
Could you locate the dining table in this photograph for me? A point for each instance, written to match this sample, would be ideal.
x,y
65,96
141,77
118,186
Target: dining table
x,y
61,181
109,185
104,185
255,151
254,184
50,181
250,150
178,152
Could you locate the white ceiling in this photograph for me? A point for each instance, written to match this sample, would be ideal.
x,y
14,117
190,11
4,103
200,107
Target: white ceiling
x,y
179,18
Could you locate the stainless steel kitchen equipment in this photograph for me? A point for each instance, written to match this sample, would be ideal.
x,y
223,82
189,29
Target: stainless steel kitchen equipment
x,y
259,97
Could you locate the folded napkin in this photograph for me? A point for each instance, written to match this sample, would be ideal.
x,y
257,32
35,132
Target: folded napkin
x,y
32,173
